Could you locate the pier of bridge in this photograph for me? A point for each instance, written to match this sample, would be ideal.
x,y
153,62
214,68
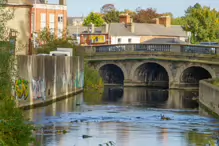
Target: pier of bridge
x,y
155,65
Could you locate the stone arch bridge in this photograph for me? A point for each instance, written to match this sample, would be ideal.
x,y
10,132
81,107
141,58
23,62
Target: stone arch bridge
x,y
160,65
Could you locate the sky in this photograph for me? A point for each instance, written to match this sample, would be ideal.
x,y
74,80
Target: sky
x,y
177,7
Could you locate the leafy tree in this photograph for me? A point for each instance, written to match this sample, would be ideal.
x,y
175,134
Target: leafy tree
x,y
6,15
51,43
178,21
129,12
112,16
202,22
46,36
107,8
13,129
145,16
95,19
168,14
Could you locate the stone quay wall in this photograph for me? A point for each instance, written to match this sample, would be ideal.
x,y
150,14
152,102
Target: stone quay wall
x,y
45,79
209,96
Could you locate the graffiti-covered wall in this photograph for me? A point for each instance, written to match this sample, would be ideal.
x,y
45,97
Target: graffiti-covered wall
x,y
44,77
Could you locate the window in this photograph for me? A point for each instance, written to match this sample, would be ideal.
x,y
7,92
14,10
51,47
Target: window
x,y
119,40
60,31
43,21
52,23
129,40
60,26
33,22
60,19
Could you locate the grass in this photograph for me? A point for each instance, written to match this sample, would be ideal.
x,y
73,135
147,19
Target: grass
x,y
216,82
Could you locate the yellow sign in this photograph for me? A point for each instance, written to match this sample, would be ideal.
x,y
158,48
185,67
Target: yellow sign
x,y
99,39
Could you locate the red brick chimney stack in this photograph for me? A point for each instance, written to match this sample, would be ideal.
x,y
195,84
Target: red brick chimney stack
x,y
165,20
125,18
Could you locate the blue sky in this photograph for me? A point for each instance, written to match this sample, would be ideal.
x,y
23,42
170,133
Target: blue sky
x,y
177,7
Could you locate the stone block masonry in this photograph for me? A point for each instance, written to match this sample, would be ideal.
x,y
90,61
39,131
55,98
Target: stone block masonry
x,y
44,79
209,96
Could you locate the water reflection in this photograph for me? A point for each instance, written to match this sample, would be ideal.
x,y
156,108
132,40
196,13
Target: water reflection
x,y
146,97
64,106
128,117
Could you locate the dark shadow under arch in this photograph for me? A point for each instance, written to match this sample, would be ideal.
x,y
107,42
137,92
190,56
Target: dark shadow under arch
x,y
193,75
152,74
111,74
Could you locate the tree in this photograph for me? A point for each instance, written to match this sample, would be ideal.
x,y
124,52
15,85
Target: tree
x,y
202,22
6,15
93,18
112,16
51,43
145,16
13,129
129,12
46,36
168,14
178,21
107,8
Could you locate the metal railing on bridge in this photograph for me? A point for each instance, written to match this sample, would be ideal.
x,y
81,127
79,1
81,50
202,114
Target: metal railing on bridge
x,y
180,48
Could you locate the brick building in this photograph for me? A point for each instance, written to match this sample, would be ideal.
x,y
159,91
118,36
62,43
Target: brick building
x,y
50,16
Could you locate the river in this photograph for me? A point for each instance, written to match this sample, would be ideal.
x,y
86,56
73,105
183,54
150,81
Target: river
x,y
126,117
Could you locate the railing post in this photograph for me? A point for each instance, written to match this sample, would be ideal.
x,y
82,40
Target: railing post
x,y
217,51
90,50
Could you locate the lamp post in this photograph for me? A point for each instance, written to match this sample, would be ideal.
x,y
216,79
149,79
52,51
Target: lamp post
x,y
12,40
34,36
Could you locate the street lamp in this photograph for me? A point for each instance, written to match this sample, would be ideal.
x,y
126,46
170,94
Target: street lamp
x,y
12,40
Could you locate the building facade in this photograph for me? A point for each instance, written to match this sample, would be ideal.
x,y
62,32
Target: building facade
x,y
50,16
75,21
20,25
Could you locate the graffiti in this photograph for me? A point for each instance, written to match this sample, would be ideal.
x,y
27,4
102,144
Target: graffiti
x,y
79,80
21,89
39,89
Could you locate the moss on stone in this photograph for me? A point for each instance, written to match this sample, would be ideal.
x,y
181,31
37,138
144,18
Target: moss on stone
x,y
209,111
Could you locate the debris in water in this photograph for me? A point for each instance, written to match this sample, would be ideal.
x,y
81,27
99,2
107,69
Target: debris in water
x,y
165,118
86,136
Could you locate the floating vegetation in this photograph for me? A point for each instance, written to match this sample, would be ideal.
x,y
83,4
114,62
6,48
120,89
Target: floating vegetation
x,y
165,118
110,143
50,131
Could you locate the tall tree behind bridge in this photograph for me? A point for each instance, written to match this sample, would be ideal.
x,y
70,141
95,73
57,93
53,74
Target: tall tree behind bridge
x,y
145,15
203,23
107,8
94,18
112,16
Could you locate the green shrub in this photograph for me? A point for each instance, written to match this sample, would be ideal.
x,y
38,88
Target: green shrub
x,y
92,79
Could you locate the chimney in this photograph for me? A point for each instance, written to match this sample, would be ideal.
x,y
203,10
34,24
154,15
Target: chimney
x,y
165,20
62,2
106,27
132,27
125,18
157,21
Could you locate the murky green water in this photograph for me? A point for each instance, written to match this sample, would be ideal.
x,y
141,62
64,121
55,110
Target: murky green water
x,y
127,117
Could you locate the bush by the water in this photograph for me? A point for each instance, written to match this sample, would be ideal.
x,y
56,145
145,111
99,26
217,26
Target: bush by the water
x,y
14,131
92,79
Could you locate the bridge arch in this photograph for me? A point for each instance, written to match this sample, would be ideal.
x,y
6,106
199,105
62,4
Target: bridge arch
x,y
192,74
112,73
151,73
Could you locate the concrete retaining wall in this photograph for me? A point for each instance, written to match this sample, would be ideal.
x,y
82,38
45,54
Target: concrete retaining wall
x,y
209,95
46,78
